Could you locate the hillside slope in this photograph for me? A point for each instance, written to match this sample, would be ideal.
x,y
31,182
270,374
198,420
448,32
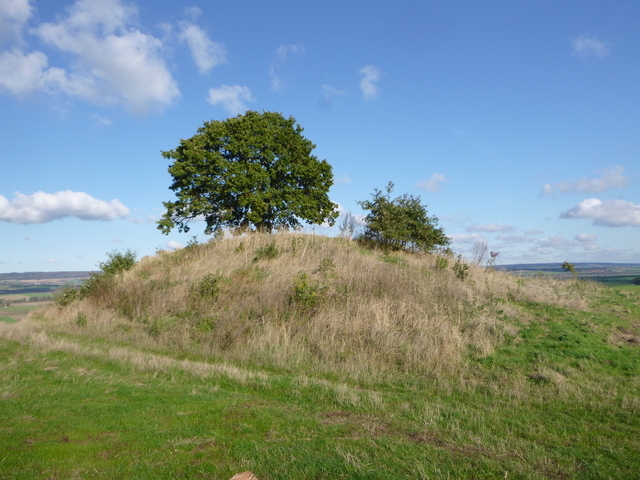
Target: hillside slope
x,y
296,301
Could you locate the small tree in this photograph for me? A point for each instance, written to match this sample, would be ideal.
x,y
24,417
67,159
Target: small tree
x,y
636,281
253,171
401,223
569,267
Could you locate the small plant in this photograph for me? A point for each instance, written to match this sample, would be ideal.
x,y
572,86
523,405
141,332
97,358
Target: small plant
x,y
193,242
461,269
297,243
636,281
327,268
479,251
491,261
347,224
81,320
118,262
66,295
209,286
442,263
240,247
306,294
269,252
569,267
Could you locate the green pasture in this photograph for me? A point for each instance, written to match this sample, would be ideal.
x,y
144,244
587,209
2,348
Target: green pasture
x,y
560,401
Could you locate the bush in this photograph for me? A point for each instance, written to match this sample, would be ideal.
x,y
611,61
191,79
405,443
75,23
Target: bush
x,y
401,223
636,281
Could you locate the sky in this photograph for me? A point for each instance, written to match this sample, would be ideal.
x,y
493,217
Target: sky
x,y
517,123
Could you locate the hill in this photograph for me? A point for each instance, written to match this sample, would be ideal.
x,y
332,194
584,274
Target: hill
x,y
299,356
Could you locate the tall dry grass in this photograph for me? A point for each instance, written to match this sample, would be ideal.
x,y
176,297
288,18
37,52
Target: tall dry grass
x,y
294,301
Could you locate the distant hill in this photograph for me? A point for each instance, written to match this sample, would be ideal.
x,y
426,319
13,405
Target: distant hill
x,y
584,267
43,275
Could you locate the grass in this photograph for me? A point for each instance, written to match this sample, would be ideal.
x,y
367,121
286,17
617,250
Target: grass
x,y
543,383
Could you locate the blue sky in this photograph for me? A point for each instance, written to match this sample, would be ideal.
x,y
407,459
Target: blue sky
x,y
518,123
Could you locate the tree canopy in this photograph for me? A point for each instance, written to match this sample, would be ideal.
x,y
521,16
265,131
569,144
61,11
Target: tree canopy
x,y
401,223
250,172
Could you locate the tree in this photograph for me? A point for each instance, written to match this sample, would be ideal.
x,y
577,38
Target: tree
x,y
401,223
569,267
636,281
253,171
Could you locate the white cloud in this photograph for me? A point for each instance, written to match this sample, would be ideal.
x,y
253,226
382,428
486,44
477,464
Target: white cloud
x,y
192,12
206,53
282,53
515,238
112,62
174,245
607,213
532,232
611,178
14,14
22,74
490,227
44,207
100,121
556,241
466,238
232,98
586,46
371,74
585,238
52,260
433,184
546,190
344,179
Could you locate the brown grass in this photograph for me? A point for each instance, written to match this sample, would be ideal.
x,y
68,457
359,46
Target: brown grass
x,y
321,304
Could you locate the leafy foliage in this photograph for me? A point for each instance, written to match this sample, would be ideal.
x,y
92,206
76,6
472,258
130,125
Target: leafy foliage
x,y
253,171
401,223
569,267
117,262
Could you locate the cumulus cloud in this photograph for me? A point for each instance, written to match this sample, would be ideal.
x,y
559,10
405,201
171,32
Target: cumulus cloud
x,y
22,74
607,213
112,61
586,46
282,53
370,75
490,227
205,52
515,238
14,14
231,97
610,178
433,184
467,238
174,245
532,232
44,207
585,238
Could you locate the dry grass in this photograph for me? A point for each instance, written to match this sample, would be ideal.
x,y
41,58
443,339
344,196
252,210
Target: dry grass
x,y
319,303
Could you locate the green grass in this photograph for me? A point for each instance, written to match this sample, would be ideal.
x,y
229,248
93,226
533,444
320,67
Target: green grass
x,y
559,400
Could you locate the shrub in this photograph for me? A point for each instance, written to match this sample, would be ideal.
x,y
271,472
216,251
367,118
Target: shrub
x,y
269,252
636,281
460,268
306,294
401,223
442,263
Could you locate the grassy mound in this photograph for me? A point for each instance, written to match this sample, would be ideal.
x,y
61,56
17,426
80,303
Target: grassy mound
x,y
314,304
297,356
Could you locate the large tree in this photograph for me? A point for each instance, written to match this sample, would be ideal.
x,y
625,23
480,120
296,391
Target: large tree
x,y
401,223
250,172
